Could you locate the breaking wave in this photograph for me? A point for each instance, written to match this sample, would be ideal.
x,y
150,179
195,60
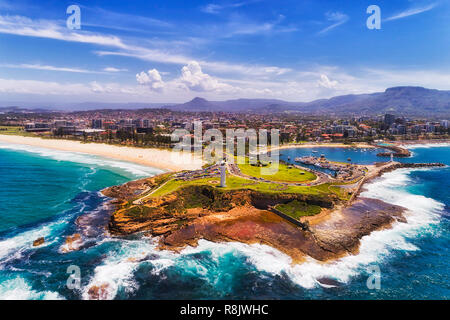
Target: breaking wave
x,y
18,289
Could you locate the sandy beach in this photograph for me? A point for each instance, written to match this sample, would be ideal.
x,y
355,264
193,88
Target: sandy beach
x,y
156,158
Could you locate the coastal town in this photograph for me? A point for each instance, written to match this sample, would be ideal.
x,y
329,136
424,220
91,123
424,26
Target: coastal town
x,y
153,127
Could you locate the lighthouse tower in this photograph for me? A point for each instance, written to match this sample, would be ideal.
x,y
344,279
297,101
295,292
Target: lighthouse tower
x,y
223,174
392,157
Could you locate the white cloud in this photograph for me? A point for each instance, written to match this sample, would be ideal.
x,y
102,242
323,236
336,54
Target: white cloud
x,y
411,12
112,69
301,86
194,79
338,18
41,87
114,20
214,8
23,26
325,82
240,26
48,68
216,66
152,79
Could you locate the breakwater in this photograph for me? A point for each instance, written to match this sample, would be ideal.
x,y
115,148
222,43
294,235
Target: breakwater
x,y
398,152
388,168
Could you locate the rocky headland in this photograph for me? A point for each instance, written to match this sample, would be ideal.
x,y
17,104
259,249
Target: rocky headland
x,y
194,212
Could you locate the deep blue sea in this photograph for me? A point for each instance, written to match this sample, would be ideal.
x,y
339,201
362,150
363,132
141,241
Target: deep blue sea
x,y
43,192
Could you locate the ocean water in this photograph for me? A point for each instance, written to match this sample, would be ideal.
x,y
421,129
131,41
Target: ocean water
x,y
43,192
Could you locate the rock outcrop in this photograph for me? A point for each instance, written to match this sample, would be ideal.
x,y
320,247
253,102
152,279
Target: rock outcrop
x,y
38,242
160,216
192,213
72,243
398,152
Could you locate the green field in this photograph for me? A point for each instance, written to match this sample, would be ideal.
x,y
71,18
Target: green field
x,y
297,209
285,173
237,183
14,131
174,184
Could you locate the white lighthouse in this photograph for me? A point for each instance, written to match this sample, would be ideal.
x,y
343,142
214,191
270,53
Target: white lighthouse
x,y
223,175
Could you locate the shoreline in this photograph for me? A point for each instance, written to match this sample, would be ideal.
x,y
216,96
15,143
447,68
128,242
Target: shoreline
x,y
319,145
331,235
422,142
151,157
359,145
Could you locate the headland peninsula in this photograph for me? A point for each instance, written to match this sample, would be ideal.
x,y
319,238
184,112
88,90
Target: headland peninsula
x,y
300,211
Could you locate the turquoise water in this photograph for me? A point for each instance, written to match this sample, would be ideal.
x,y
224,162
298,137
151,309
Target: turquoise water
x,y
43,192
361,156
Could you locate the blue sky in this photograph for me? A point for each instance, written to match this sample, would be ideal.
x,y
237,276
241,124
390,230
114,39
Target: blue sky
x,y
172,51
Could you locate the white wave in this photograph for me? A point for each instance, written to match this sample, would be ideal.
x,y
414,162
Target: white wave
x,y
18,289
391,188
12,248
375,248
426,145
379,245
78,157
257,254
117,270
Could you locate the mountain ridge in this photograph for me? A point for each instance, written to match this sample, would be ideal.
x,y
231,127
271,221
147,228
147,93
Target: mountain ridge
x,y
405,100
402,100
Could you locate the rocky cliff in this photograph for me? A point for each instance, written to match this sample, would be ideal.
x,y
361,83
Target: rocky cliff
x,y
202,212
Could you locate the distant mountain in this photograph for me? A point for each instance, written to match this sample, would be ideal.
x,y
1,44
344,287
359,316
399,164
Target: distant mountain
x,y
83,106
415,101
237,105
407,101
15,109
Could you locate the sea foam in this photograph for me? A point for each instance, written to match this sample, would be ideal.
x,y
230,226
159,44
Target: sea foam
x,y
422,213
118,270
18,289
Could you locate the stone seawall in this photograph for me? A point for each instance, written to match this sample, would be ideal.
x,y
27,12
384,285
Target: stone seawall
x,y
302,225
399,152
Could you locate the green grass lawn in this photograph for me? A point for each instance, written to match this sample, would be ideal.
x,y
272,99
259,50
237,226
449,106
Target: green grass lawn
x,y
173,185
236,183
285,173
341,192
297,209
14,131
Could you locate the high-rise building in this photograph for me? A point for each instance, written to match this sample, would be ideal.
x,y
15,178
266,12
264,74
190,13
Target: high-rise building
x,y
389,119
97,123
